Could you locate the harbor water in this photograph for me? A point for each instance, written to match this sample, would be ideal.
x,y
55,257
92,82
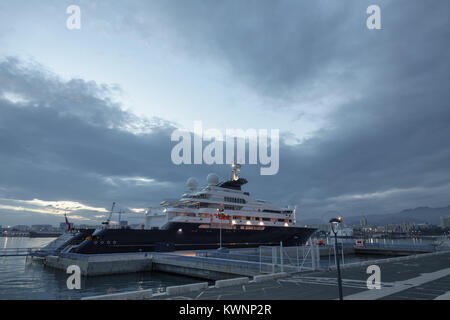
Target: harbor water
x,y
19,280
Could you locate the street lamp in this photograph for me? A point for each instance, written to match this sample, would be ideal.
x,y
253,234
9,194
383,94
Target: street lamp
x,y
334,227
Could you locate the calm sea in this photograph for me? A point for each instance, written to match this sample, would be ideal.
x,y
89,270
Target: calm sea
x,y
34,281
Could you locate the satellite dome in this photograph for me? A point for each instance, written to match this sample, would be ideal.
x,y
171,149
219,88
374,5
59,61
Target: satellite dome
x,y
192,183
212,179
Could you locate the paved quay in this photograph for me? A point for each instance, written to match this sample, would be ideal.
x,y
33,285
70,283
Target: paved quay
x,y
424,277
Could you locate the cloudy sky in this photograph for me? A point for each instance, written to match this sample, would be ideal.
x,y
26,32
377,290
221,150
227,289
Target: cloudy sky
x,y
86,115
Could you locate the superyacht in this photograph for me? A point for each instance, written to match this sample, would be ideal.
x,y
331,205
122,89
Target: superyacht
x,y
218,215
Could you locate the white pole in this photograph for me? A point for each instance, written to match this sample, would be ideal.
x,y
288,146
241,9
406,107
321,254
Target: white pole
x,y
274,258
313,256
335,257
318,256
281,255
329,257
260,266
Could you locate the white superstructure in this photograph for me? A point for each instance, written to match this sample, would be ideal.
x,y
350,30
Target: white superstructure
x,y
220,205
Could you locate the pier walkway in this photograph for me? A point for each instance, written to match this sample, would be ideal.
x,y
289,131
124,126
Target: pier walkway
x,y
423,277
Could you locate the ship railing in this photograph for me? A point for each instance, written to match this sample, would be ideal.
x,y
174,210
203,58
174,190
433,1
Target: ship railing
x,y
17,252
424,247
271,259
250,267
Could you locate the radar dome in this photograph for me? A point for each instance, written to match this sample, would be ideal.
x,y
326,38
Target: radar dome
x,y
192,183
212,179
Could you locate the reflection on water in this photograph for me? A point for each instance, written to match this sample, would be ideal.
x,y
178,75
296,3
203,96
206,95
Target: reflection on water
x,y
32,281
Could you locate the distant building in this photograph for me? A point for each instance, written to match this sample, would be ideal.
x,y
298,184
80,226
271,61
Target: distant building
x,y
123,223
363,222
85,226
322,227
41,227
63,226
22,228
407,227
345,232
445,222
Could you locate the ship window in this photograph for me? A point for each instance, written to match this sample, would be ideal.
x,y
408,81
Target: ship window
x,y
234,200
232,208
272,211
252,228
204,226
201,196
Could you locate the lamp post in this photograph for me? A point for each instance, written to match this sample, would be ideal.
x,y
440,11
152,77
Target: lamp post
x,y
334,227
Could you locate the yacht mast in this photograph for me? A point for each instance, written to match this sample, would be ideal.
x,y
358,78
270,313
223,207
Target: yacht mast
x,y
236,168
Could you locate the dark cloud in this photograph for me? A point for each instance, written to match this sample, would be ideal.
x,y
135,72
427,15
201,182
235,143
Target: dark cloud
x,y
385,146
69,141
389,133
282,47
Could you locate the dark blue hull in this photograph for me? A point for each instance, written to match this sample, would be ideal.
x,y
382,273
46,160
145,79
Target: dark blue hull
x,y
187,236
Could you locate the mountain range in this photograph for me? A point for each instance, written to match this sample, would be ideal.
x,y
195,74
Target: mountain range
x,y
416,215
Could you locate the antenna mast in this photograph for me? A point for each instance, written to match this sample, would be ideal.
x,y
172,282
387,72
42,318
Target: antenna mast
x,y
236,168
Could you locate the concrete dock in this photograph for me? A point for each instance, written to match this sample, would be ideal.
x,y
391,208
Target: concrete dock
x,y
417,277
274,272
98,265
215,264
192,266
